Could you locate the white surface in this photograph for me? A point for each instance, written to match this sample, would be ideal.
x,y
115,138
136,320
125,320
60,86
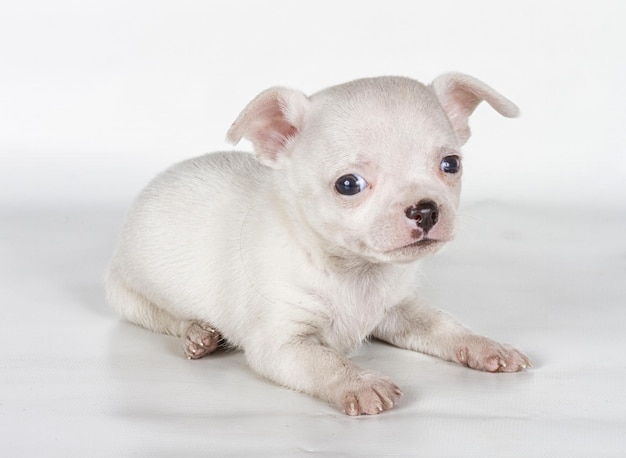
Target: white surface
x,y
76,382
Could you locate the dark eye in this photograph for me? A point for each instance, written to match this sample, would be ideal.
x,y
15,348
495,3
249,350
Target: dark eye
x,y
348,185
451,164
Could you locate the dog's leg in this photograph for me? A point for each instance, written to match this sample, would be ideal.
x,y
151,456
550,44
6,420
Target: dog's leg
x,y
139,310
199,338
302,362
422,328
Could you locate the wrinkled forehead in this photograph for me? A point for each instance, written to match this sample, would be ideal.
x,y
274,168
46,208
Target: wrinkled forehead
x,y
385,119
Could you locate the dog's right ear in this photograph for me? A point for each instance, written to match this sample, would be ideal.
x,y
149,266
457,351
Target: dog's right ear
x,y
270,122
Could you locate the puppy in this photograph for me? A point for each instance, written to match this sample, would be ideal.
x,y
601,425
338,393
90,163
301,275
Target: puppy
x,y
298,253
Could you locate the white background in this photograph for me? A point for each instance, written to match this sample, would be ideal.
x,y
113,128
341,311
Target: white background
x,y
98,96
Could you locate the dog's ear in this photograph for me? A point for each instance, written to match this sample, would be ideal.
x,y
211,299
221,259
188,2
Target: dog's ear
x,y
270,122
460,94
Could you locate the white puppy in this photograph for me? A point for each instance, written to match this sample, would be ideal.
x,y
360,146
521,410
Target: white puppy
x,y
298,253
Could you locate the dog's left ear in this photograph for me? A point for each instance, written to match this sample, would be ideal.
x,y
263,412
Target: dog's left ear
x,y
460,94
270,122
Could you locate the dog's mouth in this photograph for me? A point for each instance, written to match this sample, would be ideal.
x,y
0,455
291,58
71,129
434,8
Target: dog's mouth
x,y
425,242
419,245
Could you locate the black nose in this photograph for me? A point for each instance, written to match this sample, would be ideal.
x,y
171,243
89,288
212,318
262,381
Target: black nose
x,y
425,214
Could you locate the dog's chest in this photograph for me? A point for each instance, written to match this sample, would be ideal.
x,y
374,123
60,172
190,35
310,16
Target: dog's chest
x,y
355,307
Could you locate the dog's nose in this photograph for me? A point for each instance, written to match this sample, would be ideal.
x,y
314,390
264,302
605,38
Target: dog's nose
x,y
425,214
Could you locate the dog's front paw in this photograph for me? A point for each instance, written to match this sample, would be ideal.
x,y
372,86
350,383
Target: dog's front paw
x,y
484,354
199,340
370,394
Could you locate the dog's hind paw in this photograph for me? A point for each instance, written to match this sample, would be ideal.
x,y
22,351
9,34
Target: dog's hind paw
x,y
200,339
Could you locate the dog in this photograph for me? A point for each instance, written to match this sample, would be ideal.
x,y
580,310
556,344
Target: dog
x,y
299,252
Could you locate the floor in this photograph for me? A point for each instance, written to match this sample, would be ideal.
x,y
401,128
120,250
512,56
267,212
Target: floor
x,y
75,381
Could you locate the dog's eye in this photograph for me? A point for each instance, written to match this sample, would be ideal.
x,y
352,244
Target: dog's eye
x,y
451,164
348,185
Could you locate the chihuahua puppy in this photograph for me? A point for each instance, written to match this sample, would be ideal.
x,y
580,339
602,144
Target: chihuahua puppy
x,y
299,252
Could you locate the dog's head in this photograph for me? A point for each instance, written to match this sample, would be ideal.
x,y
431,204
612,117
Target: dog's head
x,y
372,167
